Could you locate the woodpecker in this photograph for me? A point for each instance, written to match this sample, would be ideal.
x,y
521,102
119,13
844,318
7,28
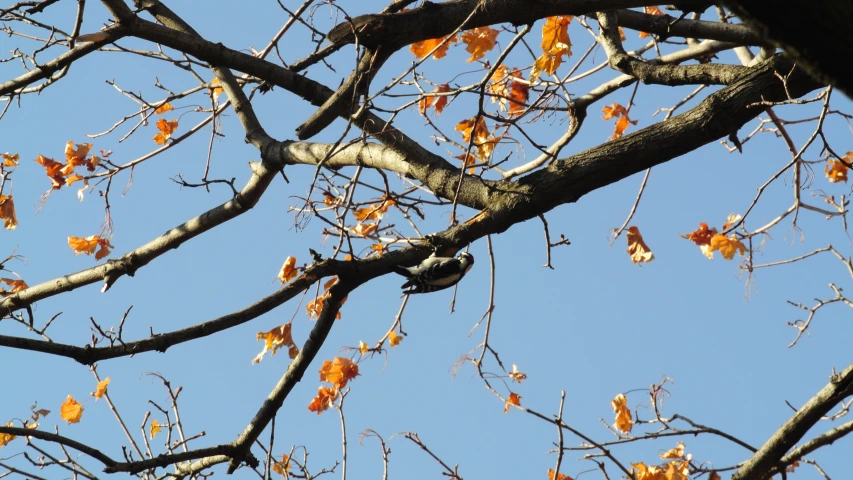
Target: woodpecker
x,y
435,273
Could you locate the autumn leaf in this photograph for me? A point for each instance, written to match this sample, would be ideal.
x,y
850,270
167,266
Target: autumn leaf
x,y
732,219
10,159
215,90
515,375
476,127
71,411
714,475
651,472
363,348
621,114
678,470
677,452
727,246
274,339
282,467
637,248
166,128
653,10
154,429
513,400
7,212
89,244
560,476
422,49
365,229
53,170
437,102
166,107
836,171
555,35
16,286
700,236
623,421
338,371
394,339
373,212
518,95
288,270
5,438
479,41
323,400
101,389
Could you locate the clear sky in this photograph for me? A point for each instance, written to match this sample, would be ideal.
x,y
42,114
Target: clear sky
x,y
595,326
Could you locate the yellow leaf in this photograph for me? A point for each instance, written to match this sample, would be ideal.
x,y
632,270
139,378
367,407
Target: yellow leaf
x,y
71,411
362,347
5,438
288,270
216,90
154,429
10,159
394,339
555,35
282,467
101,389
623,421
677,452
16,284
727,246
637,248
836,171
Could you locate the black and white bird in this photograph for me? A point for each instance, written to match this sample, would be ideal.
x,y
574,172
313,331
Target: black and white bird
x,y
435,273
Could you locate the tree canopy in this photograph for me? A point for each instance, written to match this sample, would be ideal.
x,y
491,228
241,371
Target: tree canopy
x,y
592,157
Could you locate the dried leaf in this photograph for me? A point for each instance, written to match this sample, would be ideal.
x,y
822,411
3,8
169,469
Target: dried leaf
x,y
637,248
154,429
700,236
623,421
10,159
394,339
101,388
288,270
422,49
338,371
282,467
16,284
837,171
323,400
276,338
437,102
515,375
71,411
7,212
728,247
512,400
677,452
166,128
166,107
479,41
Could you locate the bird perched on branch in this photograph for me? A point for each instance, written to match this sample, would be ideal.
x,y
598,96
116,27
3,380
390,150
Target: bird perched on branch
x,y
435,273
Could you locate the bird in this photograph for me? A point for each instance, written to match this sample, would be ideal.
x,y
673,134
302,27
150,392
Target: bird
x,y
435,273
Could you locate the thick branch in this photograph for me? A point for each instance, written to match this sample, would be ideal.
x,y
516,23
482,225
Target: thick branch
x,y
52,437
823,55
761,465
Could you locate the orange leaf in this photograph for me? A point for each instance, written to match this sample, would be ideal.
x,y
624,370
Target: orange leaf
x,y
714,475
727,246
10,159
166,107
613,111
483,143
53,169
216,90
555,35
653,10
16,284
154,429
422,49
394,339
560,476
365,229
89,244
651,472
513,400
545,63
323,400
363,348
101,388
623,421
338,371
274,339
702,235
837,171
7,212
288,270
166,128
637,248
677,452
437,102
282,467
71,411
479,41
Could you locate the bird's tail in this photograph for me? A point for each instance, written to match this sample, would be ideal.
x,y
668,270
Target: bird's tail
x,y
402,271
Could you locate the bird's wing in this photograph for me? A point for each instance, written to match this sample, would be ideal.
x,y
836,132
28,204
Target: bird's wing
x,y
443,269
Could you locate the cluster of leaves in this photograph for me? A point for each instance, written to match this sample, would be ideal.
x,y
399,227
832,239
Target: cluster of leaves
x,y
709,241
338,373
315,307
276,338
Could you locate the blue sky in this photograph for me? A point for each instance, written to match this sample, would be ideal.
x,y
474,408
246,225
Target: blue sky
x,y
595,326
